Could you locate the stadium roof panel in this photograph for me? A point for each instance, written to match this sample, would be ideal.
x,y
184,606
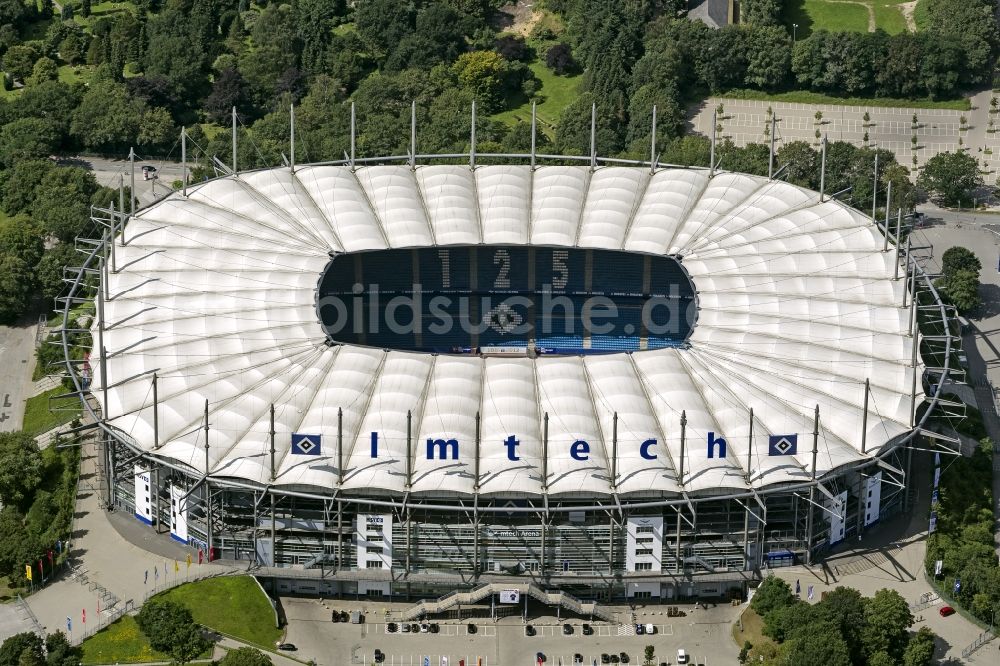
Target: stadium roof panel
x,y
216,294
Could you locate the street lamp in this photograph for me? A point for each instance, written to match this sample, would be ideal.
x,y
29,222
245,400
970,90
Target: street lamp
x,y
795,26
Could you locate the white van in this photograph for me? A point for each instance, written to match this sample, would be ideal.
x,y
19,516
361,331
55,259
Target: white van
x,y
682,656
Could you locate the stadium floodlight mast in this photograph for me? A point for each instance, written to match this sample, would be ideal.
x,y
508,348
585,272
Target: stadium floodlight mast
x,y
875,186
822,172
593,136
472,139
235,174
770,155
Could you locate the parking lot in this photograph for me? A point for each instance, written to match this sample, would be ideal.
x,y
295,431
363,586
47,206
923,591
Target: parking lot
x,y
703,633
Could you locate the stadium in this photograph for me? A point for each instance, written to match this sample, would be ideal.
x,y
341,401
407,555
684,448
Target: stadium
x,y
387,377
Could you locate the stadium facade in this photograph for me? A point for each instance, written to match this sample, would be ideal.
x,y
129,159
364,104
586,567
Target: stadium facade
x,y
253,401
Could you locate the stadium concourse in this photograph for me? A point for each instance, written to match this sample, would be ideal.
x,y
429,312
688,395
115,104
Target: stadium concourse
x,y
390,379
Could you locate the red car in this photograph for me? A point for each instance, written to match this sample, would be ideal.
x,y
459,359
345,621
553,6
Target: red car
x,y
945,611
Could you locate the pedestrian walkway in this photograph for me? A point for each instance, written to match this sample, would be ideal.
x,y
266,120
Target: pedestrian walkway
x,y
108,574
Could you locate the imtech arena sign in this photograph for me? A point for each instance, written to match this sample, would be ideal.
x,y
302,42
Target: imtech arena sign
x,y
448,449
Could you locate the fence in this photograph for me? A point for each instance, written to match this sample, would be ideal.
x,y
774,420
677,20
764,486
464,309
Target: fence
x,y
104,618
980,641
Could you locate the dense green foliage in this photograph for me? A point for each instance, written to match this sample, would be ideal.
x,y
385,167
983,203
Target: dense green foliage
x,y
843,629
963,540
245,656
28,649
170,629
38,491
959,281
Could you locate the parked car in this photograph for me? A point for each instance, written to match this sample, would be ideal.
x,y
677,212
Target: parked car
x,y
406,628
650,628
529,630
540,657
392,627
682,656
567,629
435,628
287,647
335,616
577,658
379,656
945,611
588,630
471,628
640,629
624,657
424,628
605,658
148,172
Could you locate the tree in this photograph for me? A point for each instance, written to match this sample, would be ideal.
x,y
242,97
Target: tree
x,y
649,654
887,617
801,163
818,644
845,608
156,128
559,58
62,202
17,645
920,650
245,656
769,58
19,237
962,290
27,139
19,60
959,258
59,651
108,117
513,47
950,177
170,628
773,593
49,271
761,12
20,459
383,23
483,73
44,69
227,92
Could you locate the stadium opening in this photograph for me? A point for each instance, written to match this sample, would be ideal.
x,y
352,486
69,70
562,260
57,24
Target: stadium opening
x,y
506,299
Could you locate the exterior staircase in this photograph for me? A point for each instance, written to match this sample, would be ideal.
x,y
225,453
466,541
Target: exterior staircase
x,y
485,590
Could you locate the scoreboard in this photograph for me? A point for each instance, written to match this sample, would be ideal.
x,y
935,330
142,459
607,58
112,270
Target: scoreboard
x,y
458,299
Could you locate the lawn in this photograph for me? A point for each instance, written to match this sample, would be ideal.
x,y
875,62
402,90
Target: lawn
x,y
806,97
231,605
811,15
555,94
120,643
75,73
753,629
40,416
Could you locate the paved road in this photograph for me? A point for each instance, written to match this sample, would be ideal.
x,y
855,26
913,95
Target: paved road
x,y
938,130
110,172
17,361
704,633
112,570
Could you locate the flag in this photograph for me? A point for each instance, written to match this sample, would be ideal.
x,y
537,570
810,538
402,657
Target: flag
x,y
98,605
41,571
145,580
306,445
69,624
177,566
958,585
59,546
199,556
156,573
83,615
50,557
189,560
27,571
782,445
798,588
809,591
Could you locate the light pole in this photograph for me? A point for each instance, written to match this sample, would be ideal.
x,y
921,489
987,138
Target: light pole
x,y
795,26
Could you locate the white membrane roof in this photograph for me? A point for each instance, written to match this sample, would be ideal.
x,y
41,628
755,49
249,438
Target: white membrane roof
x,y
797,307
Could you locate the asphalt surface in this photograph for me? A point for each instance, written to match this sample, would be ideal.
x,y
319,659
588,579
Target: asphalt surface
x,y
17,361
111,173
937,130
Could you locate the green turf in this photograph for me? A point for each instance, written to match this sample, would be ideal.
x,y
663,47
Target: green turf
x,y
554,95
120,643
75,73
231,605
888,17
41,416
921,16
812,15
806,97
